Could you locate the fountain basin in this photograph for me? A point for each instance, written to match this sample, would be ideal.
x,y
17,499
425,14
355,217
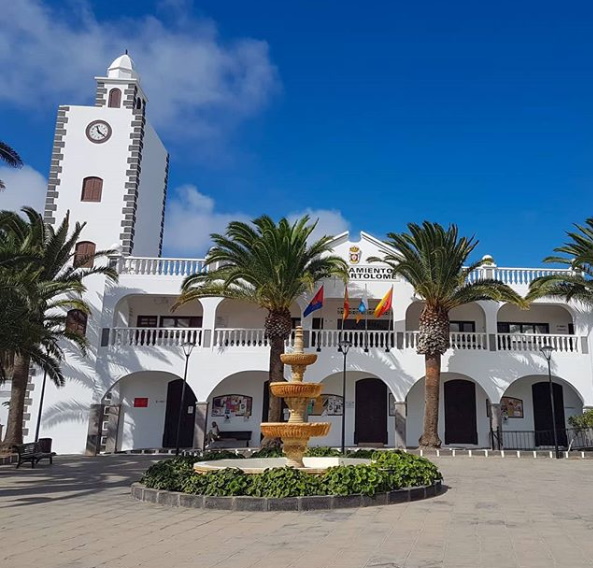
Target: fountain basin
x,y
313,465
296,430
294,390
298,358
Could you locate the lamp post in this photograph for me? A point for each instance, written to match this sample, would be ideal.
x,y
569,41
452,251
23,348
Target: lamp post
x,y
345,347
546,351
187,347
40,406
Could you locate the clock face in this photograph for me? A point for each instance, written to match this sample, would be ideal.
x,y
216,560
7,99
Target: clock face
x,y
98,131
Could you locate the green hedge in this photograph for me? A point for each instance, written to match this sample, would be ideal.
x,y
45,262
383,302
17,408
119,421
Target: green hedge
x,y
389,470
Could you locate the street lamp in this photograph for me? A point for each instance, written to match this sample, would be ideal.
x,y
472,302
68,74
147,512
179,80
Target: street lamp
x,y
344,347
546,351
187,347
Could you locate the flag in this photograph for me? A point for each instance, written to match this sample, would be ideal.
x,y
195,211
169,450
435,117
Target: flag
x,y
346,304
315,304
385,304
362,308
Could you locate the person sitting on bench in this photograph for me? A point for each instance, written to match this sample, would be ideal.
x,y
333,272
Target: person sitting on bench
x,y
213,434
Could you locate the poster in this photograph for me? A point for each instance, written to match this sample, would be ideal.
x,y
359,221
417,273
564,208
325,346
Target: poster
x,y
511,407
232,405
326,405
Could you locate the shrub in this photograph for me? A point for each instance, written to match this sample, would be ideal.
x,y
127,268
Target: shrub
x,y
322,452
211,455
169,474
361,454
355,479
268,453
584,420
406,470
284,482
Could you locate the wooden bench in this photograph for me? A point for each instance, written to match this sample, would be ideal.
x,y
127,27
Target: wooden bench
x,y
31,452
230,436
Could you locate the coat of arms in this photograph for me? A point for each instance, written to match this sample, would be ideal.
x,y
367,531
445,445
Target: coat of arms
x,y
354,255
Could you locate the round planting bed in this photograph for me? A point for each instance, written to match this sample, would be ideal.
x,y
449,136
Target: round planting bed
x,y
313,503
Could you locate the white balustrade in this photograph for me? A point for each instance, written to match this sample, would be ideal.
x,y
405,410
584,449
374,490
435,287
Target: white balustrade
x,y
515,276
534,342
360,339
240,338
155,336
159,266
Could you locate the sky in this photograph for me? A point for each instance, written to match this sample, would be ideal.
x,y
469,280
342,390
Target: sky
x,y
366,116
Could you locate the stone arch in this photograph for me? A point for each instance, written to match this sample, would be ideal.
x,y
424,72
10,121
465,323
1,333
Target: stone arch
x,y
140,409
559,318
415,411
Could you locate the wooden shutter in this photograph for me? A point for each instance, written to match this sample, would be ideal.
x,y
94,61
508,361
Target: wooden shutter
x,y
83,254
76,322
114,98
92,189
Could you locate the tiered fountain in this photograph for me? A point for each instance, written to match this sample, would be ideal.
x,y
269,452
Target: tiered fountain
x,y
295,433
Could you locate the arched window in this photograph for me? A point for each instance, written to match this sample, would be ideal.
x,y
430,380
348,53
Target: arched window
x,y
92,188
76,321
114,98
83,254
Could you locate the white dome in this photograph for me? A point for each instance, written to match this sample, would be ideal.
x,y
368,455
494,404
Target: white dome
x,y
122,68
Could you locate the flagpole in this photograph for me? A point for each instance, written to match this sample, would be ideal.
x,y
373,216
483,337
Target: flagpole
x,y
390,323
366,322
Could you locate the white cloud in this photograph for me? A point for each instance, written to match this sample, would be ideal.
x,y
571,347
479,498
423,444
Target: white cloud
x,y
23,187
330,222
197,83
191,217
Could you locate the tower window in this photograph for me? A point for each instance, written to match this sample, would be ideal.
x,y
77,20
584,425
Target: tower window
x,y
114,98
83,254
76,322
92,188
138,103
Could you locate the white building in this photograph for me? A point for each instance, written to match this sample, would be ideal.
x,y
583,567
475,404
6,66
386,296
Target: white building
x,y
109,169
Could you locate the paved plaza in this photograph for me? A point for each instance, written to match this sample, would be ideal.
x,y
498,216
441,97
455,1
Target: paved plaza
x,y
496,513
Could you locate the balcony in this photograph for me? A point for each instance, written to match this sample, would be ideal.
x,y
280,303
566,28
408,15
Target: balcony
x,y
241,339
181,267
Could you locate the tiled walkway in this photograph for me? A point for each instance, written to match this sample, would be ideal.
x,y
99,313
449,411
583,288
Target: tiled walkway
x,y
496,513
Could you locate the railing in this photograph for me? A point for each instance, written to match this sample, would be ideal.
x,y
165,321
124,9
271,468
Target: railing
x,y
186,266
155,336
359,339
457,339
568,438
159,266
534,342
244,338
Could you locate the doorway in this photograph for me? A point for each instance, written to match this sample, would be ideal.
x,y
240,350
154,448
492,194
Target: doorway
x,y
542,414
370,421
460,412
188,417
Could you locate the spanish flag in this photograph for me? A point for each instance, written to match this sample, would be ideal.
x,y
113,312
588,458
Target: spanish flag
x,y
346,305
385,304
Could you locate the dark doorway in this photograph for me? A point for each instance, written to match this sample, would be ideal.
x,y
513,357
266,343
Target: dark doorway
x,y
370,422
188,416
266,404
460,412
542,414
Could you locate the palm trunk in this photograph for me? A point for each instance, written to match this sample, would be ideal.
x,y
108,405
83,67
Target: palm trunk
x,y
430,437
276,375
18,392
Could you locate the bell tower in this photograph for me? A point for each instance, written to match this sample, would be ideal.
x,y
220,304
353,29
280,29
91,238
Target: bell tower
x,y
109,167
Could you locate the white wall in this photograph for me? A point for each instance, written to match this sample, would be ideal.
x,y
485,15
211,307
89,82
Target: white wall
x,y
143,427
151,195
248,383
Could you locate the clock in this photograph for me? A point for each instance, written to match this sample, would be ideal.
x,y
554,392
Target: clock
x,y
98,131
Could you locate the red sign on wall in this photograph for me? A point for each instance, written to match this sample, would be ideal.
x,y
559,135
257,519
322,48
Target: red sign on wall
x,y
140,402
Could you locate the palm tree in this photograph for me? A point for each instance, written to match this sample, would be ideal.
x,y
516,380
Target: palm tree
x,y
432,260
576,284
270,265
9,156
44,281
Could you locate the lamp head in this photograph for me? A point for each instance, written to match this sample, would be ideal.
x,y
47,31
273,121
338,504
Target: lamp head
x,y
546,351
345,346
188,347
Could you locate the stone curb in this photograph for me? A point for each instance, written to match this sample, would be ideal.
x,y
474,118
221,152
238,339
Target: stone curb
x,y
314,503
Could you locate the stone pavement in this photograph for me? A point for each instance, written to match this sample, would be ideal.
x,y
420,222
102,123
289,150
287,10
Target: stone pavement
x,y
496,513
